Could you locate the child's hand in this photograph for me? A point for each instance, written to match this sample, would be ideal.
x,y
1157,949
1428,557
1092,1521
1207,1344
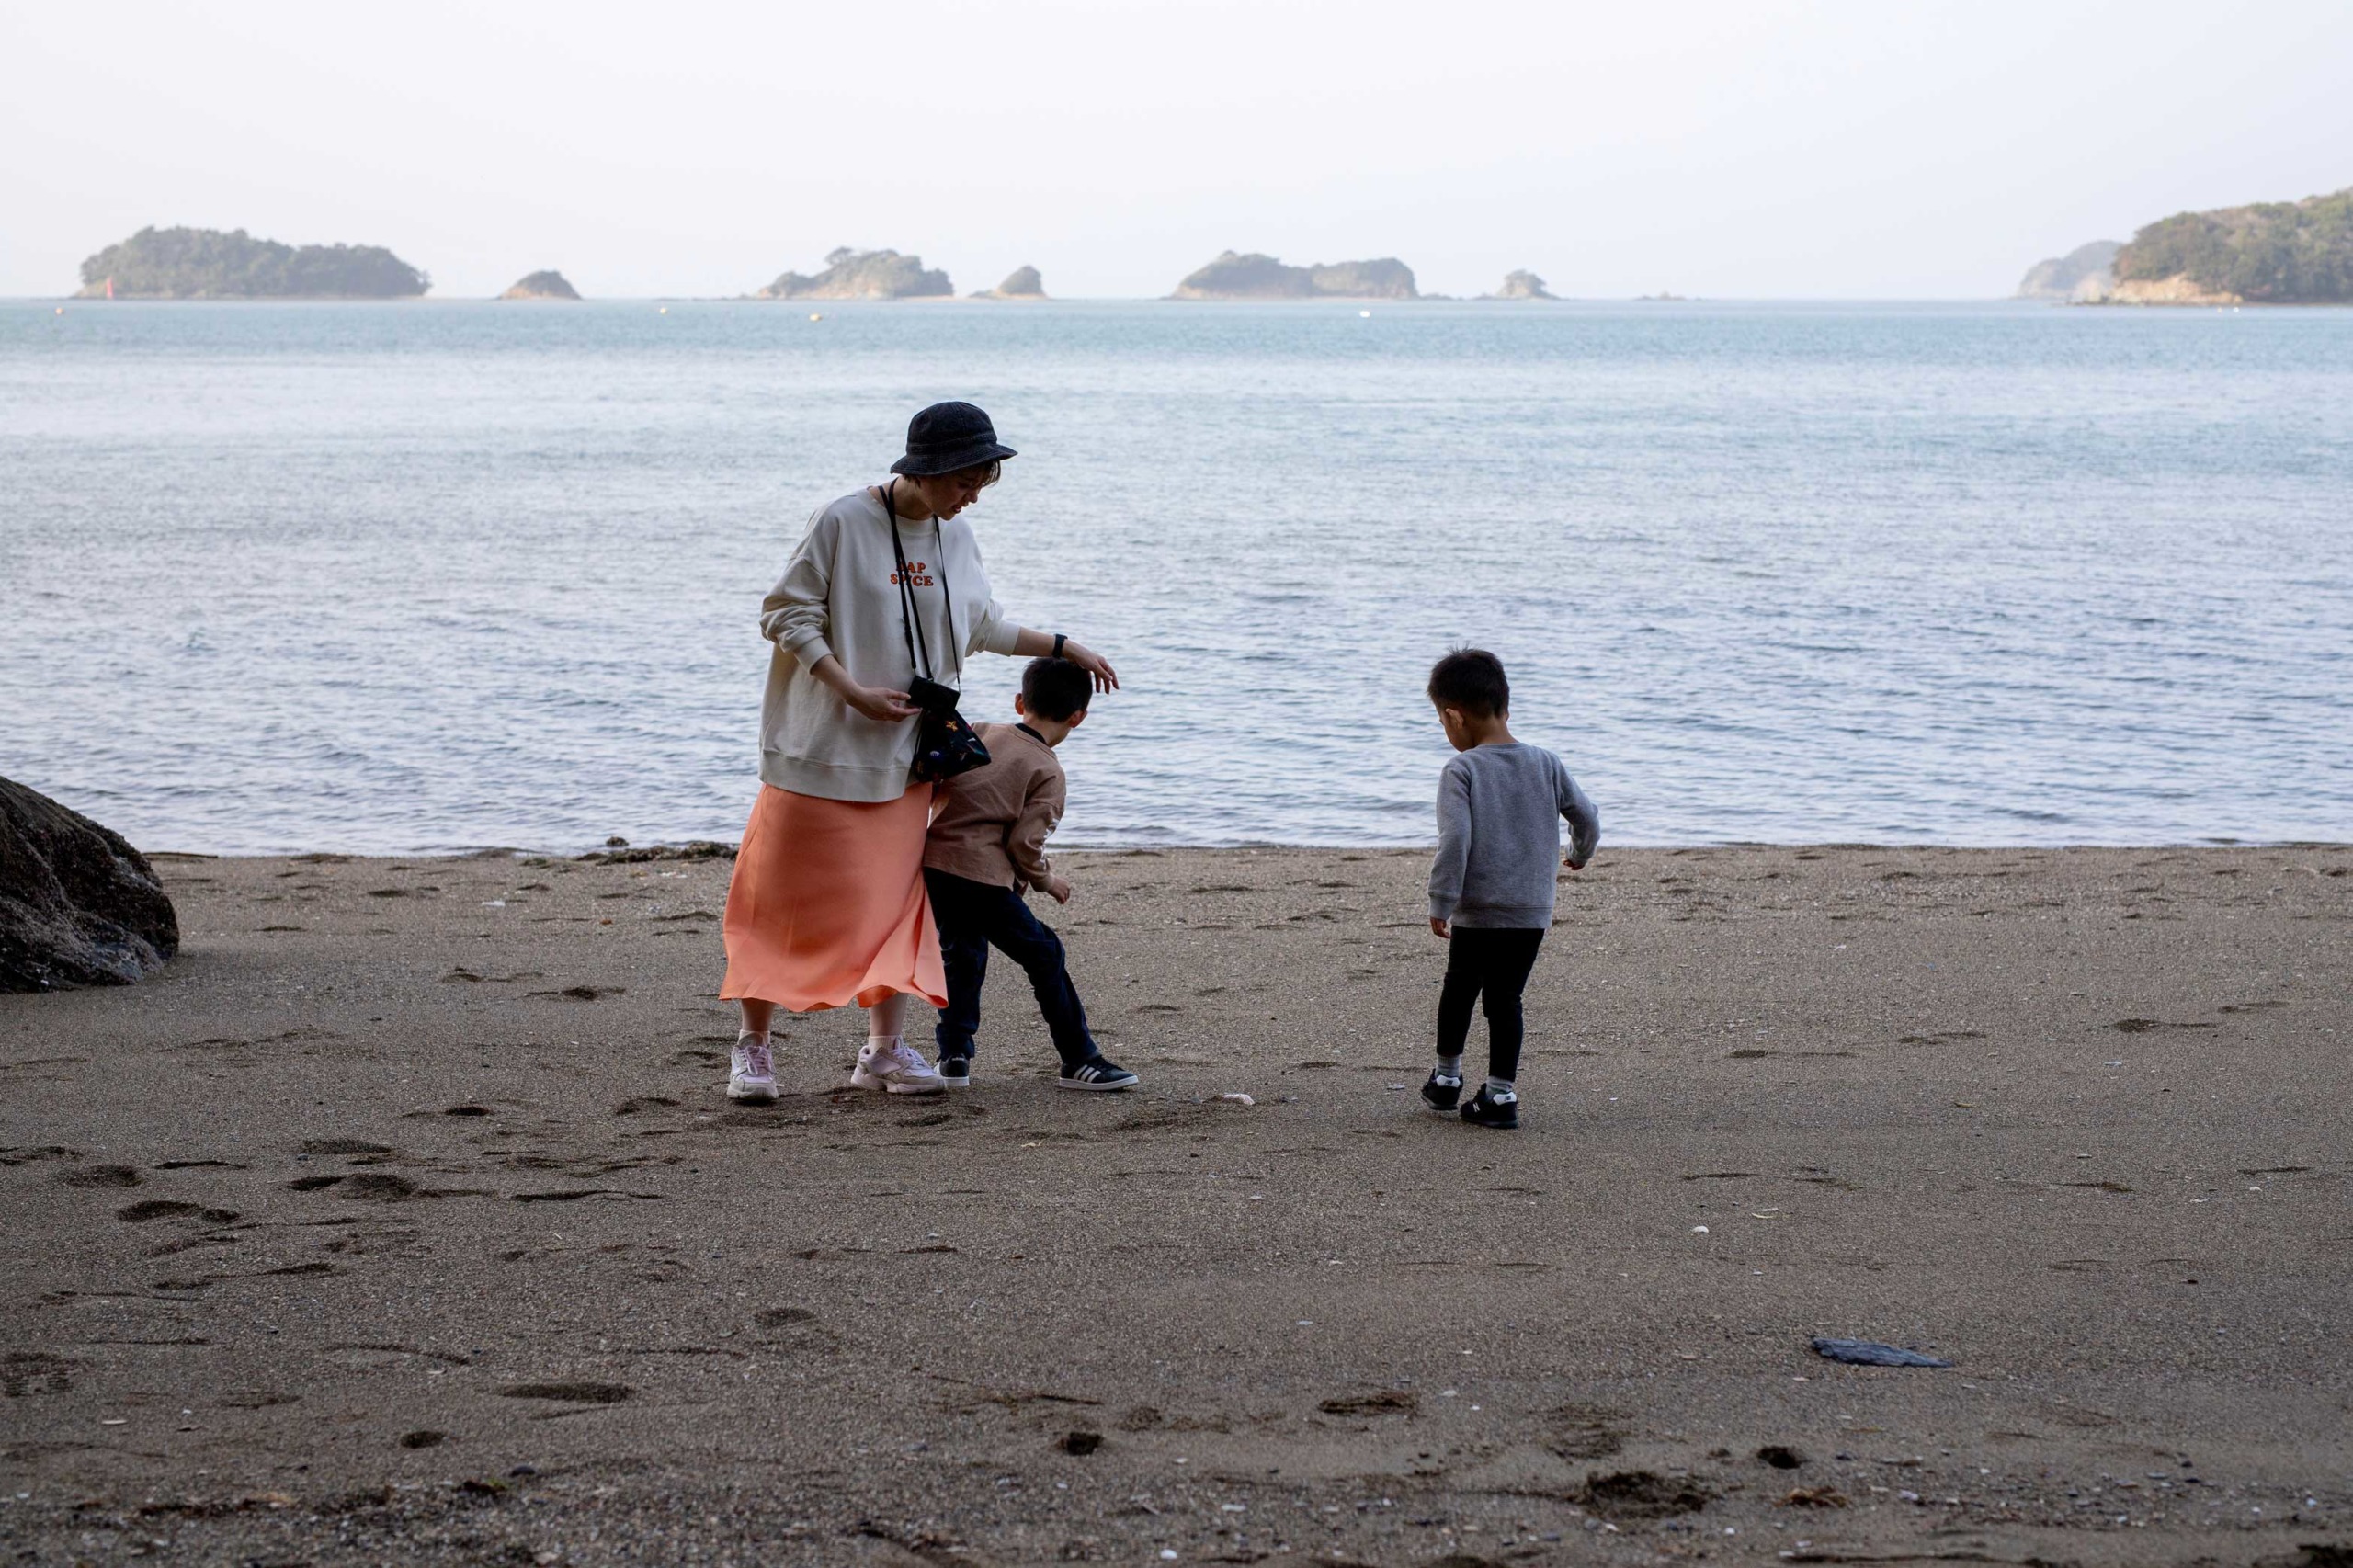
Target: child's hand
x,y
1573,865
1058,889
1442,929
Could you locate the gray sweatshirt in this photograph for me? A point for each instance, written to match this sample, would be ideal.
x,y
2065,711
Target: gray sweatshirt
x,y
1499,811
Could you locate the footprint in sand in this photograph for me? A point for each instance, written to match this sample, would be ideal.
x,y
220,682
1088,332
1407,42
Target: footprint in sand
x,y
381,1186
1387,1401
156,1208
570,1394
24,1372
783,1317
100,1176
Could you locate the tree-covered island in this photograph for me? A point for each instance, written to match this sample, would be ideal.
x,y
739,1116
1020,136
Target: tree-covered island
x,y
2273,253
205,264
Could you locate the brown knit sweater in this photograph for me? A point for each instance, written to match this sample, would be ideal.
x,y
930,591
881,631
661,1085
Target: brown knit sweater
x,y
991,824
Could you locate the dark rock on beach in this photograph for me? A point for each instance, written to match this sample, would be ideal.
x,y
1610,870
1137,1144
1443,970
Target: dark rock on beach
x,y
78,905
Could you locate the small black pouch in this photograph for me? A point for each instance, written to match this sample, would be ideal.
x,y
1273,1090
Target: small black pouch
x,y
945,744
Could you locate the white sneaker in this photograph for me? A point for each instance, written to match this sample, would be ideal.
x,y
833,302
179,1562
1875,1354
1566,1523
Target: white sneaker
x,y
896,1067
751,1073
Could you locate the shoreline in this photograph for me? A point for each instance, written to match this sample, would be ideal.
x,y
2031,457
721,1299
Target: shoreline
x,y
702,850
402,1210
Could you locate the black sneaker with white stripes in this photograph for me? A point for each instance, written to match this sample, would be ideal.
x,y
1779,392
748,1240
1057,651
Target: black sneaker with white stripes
x,y
1443,1094
1099,1074
1489,1108
956,1072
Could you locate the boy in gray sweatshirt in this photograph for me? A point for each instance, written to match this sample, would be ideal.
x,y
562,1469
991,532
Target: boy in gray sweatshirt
x,y
1499,809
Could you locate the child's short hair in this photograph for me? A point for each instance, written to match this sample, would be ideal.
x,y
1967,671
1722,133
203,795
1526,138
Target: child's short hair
x,y
1473,680
1055,690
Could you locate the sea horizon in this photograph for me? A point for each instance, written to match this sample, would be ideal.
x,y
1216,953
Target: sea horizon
x,y
1866,302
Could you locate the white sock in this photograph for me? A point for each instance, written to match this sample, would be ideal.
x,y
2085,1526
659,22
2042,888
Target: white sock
x,y
1449,1069
1501,1089
749,1037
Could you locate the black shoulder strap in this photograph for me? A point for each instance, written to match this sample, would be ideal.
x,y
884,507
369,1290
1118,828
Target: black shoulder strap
x,y
907,622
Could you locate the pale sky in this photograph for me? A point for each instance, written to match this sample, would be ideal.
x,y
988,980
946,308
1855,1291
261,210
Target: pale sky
x,y
1744,149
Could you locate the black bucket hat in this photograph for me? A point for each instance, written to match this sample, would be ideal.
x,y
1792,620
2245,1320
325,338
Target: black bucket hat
x,y
947,437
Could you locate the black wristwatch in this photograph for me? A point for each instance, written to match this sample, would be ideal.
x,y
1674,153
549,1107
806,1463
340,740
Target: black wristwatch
x,y
1060,637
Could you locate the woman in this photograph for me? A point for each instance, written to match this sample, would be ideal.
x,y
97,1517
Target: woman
x,y
827,905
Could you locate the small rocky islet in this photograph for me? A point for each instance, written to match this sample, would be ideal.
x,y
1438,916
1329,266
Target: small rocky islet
x,y
851,274
547,285
1021,283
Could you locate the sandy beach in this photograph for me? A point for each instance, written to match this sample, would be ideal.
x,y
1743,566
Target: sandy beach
x,y
401,1218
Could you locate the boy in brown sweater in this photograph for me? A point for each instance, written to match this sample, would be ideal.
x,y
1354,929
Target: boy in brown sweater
x,y
987,845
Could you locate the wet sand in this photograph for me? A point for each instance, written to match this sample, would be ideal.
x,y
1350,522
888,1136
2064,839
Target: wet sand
x,y
401,1220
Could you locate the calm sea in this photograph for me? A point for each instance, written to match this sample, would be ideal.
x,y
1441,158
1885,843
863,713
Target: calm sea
x,y
431,576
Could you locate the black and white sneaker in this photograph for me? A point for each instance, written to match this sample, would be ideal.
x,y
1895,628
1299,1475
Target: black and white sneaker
x,y
1488,1108
1442,1093
956,1072
1099,1074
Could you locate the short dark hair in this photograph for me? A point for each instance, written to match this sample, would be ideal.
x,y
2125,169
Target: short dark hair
x,y
1473,680
1055,690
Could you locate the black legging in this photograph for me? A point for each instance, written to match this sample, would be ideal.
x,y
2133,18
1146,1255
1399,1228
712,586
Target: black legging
x,y
1490,965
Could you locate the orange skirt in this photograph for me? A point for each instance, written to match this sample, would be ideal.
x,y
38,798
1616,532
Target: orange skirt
x,y
827,907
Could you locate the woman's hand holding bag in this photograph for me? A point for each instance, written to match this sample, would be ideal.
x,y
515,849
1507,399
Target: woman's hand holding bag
x,y
880,703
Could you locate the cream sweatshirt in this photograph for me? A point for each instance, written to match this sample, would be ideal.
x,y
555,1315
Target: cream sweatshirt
x,y
839,594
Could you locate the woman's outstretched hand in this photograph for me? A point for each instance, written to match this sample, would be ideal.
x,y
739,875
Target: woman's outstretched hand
x,y
1094,663
880,703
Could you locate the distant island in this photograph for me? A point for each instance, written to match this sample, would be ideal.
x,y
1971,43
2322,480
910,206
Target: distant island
x,y
548,284
1256,277
205,264
1522,286
2273,253
1021,283
863,275
2087,272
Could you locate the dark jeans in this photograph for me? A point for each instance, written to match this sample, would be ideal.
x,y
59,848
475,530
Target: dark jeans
x,y
973,919
1488,966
